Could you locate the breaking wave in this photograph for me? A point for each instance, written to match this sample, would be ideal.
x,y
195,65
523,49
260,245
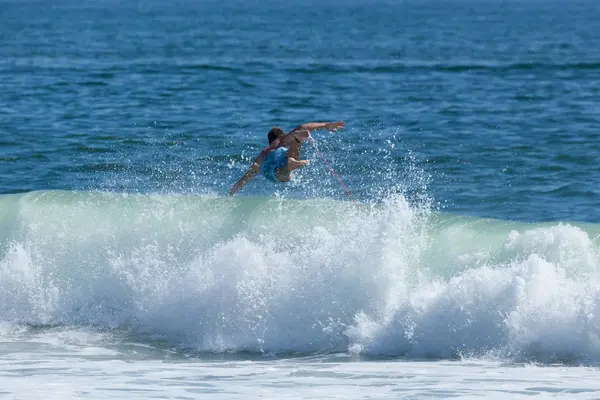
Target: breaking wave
x,y
254,274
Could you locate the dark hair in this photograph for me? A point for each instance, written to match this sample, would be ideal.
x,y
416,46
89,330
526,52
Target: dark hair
x,y
275,134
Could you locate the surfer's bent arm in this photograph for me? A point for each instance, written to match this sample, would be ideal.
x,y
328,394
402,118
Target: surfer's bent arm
x,y
248,176
311,126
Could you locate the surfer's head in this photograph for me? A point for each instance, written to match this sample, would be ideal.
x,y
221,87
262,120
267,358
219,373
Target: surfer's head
x,y
275,134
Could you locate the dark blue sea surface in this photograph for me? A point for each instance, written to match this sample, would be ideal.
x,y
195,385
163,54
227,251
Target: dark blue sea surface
x,y
488,108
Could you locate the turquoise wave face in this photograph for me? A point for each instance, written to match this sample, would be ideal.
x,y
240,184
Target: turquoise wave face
x,y
263,274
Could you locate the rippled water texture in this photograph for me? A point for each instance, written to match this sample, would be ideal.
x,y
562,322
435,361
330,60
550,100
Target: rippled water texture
x,y
495,101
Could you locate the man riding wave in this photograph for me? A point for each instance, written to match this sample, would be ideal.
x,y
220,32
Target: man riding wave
x,y
277,161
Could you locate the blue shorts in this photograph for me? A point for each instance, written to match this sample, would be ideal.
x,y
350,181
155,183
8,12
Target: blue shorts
x,y
275,159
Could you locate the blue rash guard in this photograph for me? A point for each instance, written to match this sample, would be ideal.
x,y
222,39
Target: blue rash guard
x,y
275,159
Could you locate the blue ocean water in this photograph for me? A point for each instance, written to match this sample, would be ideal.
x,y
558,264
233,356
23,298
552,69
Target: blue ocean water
x,y
494,101
470,267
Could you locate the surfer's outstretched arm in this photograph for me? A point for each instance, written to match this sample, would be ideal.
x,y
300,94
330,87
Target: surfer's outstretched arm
x,y
330,126
248,176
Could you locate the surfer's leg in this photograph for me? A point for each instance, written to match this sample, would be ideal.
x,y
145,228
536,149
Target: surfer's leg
x,y
284,174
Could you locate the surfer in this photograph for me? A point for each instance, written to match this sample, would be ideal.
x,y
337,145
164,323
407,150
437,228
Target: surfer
x,y
277,161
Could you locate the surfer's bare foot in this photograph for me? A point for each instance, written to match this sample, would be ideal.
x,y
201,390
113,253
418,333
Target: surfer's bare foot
x,y
295,164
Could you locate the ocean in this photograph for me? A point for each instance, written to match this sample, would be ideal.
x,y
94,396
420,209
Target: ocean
x,y
465,264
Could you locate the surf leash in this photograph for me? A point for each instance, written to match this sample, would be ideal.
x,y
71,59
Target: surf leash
x,y
333,171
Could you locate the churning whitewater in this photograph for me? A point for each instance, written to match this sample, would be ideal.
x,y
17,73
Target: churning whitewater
x,y
268,275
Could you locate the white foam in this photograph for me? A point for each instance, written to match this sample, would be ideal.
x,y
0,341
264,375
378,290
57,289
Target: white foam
x,y
264,275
